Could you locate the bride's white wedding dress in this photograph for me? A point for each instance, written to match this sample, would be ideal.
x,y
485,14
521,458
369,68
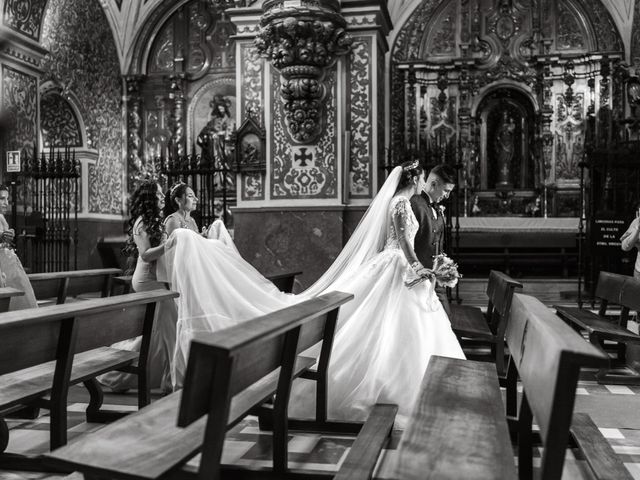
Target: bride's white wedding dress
x,y
385,336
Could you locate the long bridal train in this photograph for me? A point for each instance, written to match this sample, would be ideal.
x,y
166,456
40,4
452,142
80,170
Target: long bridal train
x,y
385,336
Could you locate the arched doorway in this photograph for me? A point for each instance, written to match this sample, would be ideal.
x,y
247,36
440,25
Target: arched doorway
x,y
507,128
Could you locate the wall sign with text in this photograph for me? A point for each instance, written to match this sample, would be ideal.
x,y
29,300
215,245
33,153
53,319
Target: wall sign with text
x,y
13,161
606,233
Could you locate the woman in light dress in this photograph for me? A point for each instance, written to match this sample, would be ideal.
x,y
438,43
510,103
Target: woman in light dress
x,y
179,202
385,336
145,246
12,272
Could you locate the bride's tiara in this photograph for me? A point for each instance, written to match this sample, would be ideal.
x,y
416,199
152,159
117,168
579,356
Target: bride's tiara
x,y
411,166
175,187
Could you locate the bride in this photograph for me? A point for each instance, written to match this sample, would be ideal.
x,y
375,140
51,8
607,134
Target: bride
x,y
385,336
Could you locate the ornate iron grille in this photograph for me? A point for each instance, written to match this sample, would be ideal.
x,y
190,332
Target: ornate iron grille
x,y
213,182
50,194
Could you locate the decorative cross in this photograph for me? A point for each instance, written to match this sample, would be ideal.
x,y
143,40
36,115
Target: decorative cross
x,y
303,157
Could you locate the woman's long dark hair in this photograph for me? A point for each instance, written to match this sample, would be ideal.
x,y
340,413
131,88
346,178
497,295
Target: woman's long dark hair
x,y
144,203
176,191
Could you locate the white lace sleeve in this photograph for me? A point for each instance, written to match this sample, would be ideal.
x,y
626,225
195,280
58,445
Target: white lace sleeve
x,y
400,214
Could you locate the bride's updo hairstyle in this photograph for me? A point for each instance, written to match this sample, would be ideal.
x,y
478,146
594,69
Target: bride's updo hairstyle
x,y
176,191
410,170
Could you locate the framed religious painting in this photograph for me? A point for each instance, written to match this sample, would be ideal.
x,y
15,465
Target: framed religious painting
x,y
250,147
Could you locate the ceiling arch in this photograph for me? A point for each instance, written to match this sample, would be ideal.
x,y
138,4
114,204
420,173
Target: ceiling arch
x,y
621,11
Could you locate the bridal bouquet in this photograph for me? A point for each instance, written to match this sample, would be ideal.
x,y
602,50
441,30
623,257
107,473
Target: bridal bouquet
x,y
444,270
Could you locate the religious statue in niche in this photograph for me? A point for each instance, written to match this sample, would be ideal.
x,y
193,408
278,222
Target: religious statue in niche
x,y
504,144
215,138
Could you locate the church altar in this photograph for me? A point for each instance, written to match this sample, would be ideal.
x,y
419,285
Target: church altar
x,y
507,243
519,224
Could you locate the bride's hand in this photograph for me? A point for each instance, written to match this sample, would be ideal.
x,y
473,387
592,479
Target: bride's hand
x,y
424,272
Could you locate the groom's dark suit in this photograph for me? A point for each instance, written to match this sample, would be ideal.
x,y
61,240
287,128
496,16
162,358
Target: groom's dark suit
x,y
428,240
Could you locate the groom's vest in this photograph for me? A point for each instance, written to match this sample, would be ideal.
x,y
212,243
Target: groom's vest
x,y
428,241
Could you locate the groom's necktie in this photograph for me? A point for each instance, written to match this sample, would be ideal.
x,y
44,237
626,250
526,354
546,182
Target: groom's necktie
x,y
434,207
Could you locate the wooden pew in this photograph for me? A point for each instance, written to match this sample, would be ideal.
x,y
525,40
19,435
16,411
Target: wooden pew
x,y
470,322
6,294
547,355
228,373
284,281
45,350
60,285
615,289
121,285
457,428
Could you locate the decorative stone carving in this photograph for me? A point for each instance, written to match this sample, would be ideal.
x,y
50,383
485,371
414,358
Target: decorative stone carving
x,y
443,41
24,16
177,95
304,171
19,104
570,136
569,34
361,122
137,170
635,38
252,68
302,39
58,123
412,133
162,56
606,31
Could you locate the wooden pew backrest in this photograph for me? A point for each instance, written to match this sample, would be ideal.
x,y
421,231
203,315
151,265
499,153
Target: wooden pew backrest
x,y
238,345
284,281
30,337
630,295
500,289
71,283
548,355
609,287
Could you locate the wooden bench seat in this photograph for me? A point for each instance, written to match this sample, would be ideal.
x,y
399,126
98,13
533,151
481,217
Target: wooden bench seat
x,y
6,294
44,350
458,428
471,322
135,441
228,373
547,355
363,455
60,285
25,385
611,289
599,454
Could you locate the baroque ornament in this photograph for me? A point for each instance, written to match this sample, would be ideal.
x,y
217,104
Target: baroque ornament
x,y
303,39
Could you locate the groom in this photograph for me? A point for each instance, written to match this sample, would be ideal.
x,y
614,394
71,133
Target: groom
x,y
428,241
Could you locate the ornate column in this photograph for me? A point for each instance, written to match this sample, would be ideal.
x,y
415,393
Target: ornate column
x,y
410,109
135,165
178,147
369,26
250,103
545,121
302,39
318,154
